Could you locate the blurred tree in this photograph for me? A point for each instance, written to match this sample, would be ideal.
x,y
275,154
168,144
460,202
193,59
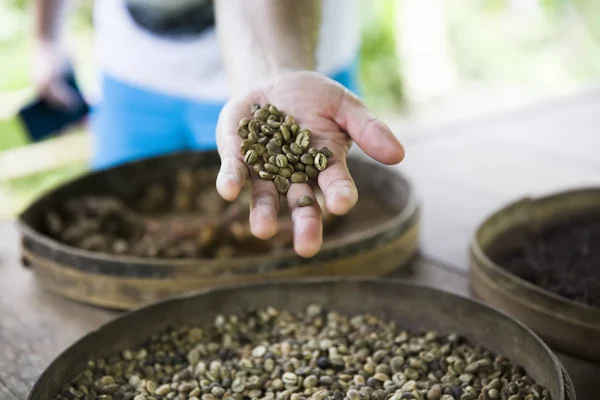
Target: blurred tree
x,y
21,4
381,84
589,10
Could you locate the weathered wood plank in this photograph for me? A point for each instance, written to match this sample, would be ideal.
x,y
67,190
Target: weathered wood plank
x,y
35,326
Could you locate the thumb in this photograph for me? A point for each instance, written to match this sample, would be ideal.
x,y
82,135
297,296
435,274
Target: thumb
x,y
372,135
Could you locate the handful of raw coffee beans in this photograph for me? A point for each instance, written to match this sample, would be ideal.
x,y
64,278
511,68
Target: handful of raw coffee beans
x,y
278,149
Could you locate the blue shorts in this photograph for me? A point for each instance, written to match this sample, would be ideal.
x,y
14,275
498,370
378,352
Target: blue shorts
x,y
133,123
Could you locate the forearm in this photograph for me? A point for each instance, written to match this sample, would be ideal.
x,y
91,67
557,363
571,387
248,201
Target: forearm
x,y
262,37
49,20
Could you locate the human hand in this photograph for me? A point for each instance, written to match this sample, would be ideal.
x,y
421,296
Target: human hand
x,y
49,69
336,118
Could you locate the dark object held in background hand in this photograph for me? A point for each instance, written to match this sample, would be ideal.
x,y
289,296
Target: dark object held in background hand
x,y
41,120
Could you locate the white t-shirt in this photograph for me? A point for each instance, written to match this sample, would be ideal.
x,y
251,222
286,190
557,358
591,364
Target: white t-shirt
x,y
192,68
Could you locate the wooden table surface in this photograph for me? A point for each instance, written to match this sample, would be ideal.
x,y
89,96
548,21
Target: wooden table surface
x,y
465,171
462,173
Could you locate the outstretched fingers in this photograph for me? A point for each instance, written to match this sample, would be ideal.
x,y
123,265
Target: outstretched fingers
x,y
308,224
372,135
233,172
336,183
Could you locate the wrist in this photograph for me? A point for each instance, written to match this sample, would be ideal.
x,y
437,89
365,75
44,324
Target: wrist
x,y
49,51
48,44
258,73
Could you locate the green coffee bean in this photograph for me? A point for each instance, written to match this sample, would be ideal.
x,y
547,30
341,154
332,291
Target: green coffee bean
x,y
285,132
292,158
435,393
296,149
259,148
279,137
261,114
281,184
242,132
286,172
281,161
254,127
299,167
266,175
271,168
299,177
251,157
307,159
274,124
303,138
274,111
311,171
304,201
264,128
273,149
276,142
245,146
163,390
294,128
320,162
326,152
289,120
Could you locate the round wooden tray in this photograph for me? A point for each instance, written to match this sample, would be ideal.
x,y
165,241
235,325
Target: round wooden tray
x,y
570,326
411,306
378,236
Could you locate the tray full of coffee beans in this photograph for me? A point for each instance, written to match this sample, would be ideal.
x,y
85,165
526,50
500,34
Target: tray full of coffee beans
x,y
183,218
145,230
538,259
312,340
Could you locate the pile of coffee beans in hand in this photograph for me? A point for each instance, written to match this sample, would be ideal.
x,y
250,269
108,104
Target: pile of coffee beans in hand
x,y
278,149
316,354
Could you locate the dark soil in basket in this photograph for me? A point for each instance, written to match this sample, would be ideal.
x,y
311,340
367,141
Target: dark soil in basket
x,y
564,260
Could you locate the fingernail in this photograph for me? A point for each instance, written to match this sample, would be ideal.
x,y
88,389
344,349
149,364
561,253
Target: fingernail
x,y
342,200
394,147
263,230
227,186
263,223
345,195
307,251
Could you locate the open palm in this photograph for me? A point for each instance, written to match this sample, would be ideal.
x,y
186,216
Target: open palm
x,y
336,118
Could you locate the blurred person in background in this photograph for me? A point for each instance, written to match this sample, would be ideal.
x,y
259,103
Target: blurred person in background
x,y
174,72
